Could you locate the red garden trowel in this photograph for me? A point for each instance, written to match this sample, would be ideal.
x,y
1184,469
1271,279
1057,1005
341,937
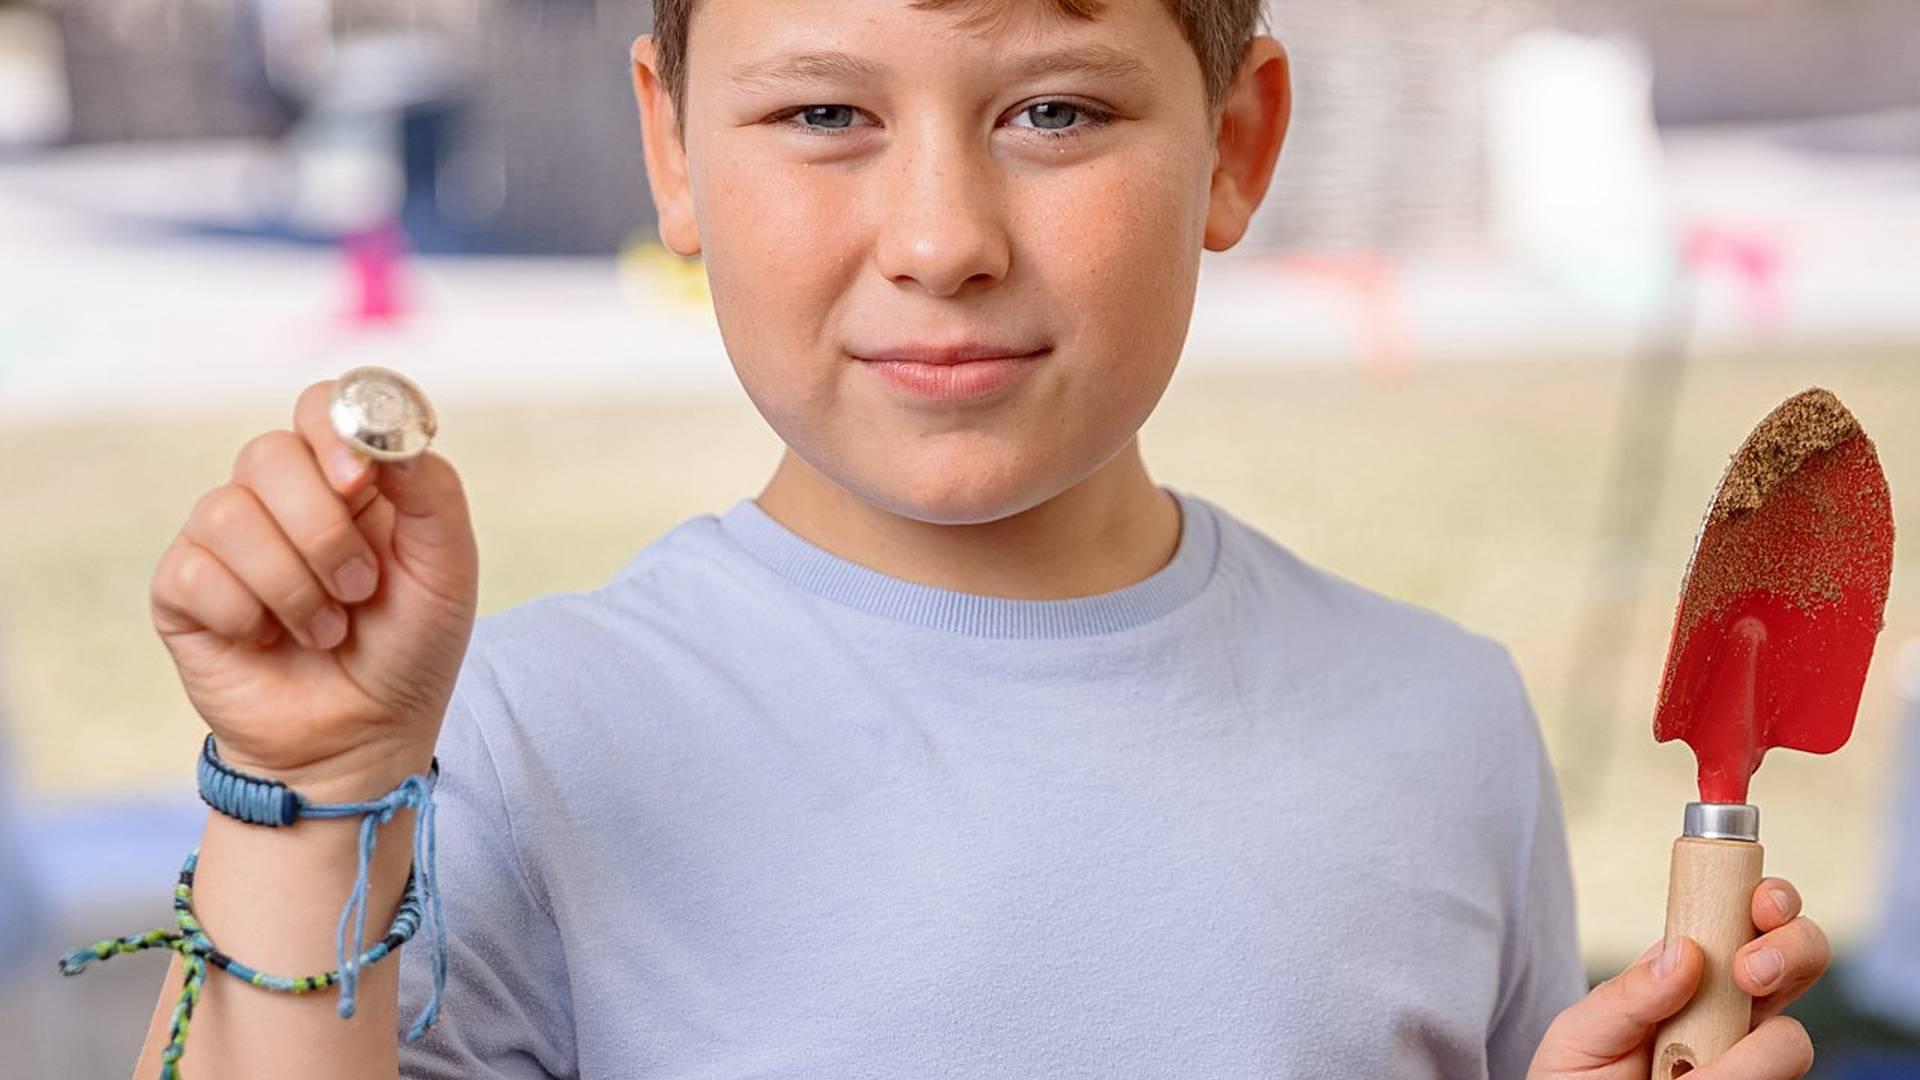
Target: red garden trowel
x,y
1777,618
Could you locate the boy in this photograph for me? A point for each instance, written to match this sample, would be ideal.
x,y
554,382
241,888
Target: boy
x,y
963,749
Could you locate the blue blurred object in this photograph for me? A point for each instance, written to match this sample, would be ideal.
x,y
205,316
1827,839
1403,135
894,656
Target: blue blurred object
x,y
1869,1064
95,853
1884,979
22,903
1864,1017
97,870
70,876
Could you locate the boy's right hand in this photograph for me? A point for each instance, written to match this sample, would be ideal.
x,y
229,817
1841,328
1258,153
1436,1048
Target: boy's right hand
x,y
308,670
1608,1035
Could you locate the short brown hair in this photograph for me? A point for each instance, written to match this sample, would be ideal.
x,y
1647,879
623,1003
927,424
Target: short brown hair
x,y
1218,30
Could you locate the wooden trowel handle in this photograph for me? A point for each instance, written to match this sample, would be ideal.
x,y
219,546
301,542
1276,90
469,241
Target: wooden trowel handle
x,y
1709,899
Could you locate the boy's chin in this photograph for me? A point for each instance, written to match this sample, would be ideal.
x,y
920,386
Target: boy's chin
x,y
957,498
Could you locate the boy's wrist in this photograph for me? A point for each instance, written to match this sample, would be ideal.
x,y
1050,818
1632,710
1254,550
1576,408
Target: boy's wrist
x,y
361,775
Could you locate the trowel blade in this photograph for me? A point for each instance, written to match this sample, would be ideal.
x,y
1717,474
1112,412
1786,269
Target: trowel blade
x,y
1783,598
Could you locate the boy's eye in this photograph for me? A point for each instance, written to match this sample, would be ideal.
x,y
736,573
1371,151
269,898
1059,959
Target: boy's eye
x,y
1052,119
823,117
1059,116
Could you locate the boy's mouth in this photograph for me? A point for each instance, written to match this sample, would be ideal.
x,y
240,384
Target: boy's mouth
x,y
964,352
951,372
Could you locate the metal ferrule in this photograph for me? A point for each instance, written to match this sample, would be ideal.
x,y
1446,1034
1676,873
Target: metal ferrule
x,y
1722,821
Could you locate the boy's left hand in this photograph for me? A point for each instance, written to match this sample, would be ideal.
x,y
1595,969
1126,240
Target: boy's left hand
x,y
1608,1035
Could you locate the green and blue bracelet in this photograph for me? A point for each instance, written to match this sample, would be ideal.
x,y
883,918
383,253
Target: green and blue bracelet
x,y
269,803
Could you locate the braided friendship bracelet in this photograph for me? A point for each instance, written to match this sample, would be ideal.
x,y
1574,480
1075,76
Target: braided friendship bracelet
x,y
197,950
266,802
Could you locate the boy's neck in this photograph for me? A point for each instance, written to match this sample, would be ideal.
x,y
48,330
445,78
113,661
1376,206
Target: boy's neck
x,y
1113,529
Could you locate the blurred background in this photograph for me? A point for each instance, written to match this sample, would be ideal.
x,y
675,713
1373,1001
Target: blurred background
x,y
1528,272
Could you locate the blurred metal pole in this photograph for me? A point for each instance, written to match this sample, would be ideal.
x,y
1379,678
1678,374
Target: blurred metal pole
x,y
1631,499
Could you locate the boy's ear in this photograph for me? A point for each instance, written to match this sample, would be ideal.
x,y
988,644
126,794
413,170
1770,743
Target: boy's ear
x,y
665,152
1253,124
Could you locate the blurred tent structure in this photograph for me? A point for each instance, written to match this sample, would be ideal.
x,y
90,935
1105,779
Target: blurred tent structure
x,y
1754,61
552,158
1385,152
511,121
150,69
1388,148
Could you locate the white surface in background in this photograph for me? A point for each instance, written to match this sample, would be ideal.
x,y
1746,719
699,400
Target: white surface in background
x,y
1575,175
1907,672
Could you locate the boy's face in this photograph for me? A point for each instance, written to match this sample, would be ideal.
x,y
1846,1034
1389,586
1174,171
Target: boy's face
x,y
949,189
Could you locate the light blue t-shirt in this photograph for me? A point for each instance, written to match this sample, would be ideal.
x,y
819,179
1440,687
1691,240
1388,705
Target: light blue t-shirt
x,y
753,810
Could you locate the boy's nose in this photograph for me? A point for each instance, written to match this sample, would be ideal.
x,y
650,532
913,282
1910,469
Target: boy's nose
x,y
940,220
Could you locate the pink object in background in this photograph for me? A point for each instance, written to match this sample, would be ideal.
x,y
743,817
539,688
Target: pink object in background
x,y
1370,278
376,261
1754,259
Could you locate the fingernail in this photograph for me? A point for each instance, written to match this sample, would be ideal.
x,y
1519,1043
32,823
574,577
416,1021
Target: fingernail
x,y
1668,959
356,579
327,628
1781,900
344,465
1765,965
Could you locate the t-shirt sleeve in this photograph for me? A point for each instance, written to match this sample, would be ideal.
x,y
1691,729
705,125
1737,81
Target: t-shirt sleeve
x,y
504,1012
1544,972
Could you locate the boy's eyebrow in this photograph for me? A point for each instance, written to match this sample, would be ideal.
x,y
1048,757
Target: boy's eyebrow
x,y
1098,61
802,67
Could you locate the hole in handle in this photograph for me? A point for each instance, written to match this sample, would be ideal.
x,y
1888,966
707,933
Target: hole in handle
x,y
1675,1060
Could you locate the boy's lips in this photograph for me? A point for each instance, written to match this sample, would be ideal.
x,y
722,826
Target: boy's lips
x,y
964,352
951,373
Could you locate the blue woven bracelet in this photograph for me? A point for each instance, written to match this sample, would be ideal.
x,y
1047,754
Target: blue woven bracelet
x,y
265,802
260,801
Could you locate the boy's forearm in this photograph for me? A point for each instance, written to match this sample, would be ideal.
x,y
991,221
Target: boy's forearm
x,y
271,898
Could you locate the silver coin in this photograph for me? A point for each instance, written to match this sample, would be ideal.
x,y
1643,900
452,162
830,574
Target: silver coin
x,y
382,414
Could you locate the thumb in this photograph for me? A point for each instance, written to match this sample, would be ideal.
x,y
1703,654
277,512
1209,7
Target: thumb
x,y
431,530
1620,1015
414,508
